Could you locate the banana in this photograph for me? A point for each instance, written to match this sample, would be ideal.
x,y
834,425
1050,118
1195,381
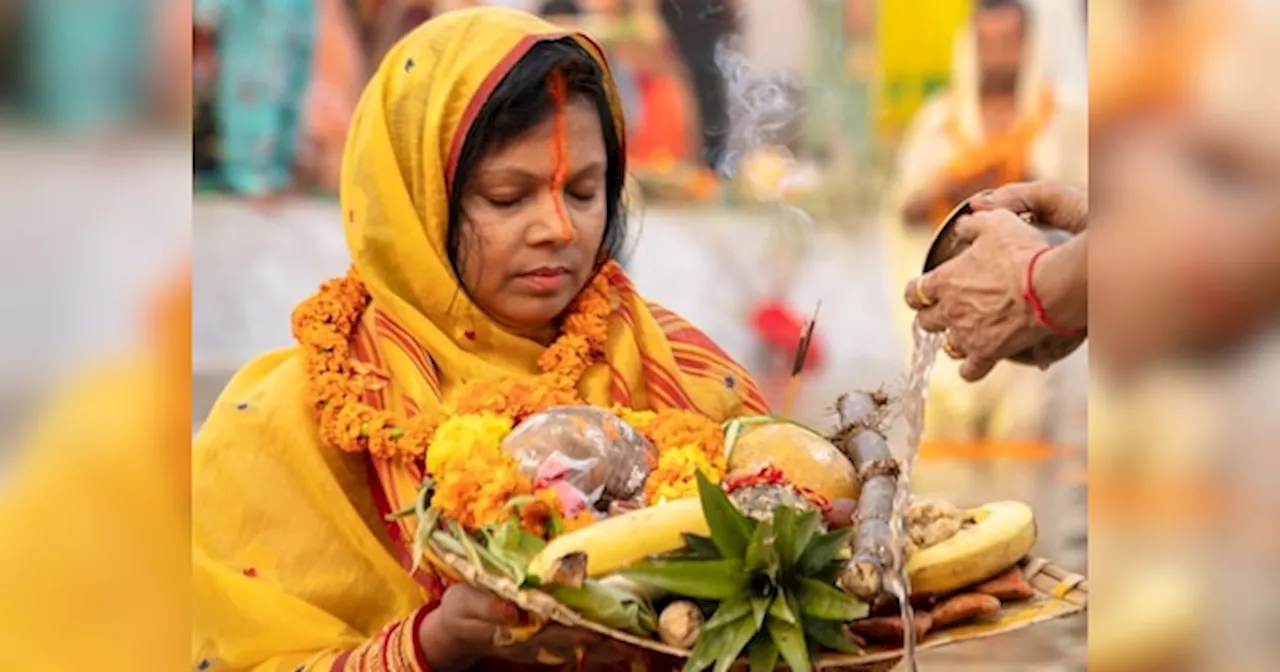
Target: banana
x,y
1002,534
616,543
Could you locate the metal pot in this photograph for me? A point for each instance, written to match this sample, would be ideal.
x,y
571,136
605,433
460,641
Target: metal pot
x,y
945,246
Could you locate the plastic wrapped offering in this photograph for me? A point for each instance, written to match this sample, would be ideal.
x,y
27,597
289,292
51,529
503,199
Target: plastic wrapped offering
x,y
589,455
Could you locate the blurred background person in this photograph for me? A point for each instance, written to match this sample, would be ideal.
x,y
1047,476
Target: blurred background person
x,y
665,129
1000,120
90,65
696,28
265,60
338,76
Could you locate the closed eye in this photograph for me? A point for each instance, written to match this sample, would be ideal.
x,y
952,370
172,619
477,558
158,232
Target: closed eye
x,y
502,203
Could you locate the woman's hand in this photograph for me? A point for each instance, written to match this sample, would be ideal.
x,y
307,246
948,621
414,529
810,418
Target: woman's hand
x,y
469,622
1055,205
977,297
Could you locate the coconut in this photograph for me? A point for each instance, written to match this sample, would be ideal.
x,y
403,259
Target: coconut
x,y
805,458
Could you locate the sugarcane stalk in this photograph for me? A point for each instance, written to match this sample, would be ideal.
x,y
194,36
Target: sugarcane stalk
x,y
862,438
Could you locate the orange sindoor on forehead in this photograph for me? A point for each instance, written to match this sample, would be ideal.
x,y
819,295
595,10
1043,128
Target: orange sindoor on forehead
x,y
558,89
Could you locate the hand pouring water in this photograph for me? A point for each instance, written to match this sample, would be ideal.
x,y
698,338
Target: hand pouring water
x,y
946,246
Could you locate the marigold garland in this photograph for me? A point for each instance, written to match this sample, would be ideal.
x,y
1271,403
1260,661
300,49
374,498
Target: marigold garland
x,y
475,481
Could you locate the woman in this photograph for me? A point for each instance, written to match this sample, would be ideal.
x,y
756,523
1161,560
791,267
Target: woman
x,y
265,55
472,241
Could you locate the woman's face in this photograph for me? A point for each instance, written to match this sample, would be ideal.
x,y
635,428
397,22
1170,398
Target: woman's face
x,y
528,245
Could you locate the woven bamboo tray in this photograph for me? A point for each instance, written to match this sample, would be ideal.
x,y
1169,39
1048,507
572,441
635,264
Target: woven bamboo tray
x,y
1059,594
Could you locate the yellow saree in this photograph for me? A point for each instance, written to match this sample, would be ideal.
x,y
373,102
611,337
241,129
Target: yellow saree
x,y
294,565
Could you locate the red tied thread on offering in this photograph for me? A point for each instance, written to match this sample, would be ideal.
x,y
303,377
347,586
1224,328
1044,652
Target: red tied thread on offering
x,y
1037,306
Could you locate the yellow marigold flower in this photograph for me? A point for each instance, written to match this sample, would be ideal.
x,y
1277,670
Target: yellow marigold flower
x,y
467,436
675,475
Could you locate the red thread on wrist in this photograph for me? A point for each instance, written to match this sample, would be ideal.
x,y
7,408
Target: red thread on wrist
x,y
1037,306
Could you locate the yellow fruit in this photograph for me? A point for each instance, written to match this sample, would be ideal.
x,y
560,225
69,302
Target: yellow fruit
x,y
803,456
1001,535
616,543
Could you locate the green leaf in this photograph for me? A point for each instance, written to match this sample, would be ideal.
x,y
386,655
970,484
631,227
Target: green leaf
x,y
792,604
482,557
761,553
468,550
830,635
707,649
700,579
790,643
760,609
737,635
784,522
730,530
762,654
520,500
700,547
428,523
825,601
729,611
609,606
823,550
732,430
808,523
448,542
513,544
780,609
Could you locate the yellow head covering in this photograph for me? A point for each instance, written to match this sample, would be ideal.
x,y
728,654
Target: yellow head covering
x,y
401,152
294,563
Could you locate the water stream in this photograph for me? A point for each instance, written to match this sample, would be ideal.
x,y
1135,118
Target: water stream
x,y
912,401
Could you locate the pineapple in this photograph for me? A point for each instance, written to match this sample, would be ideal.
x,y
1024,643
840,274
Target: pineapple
x,y
770,578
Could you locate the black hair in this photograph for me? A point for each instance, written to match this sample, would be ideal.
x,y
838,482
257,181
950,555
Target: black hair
x,y
560,8
523,100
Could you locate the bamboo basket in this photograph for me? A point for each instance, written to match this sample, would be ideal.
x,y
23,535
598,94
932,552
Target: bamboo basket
x,y
1059,594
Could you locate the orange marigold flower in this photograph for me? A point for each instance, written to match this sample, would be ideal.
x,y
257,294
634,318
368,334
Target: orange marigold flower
x,y
461,442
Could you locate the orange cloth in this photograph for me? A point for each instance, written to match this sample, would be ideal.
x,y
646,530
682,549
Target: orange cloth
x,y
663,136
1006,155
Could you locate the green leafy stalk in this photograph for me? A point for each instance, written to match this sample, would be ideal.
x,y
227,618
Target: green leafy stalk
x,y
771,585
790,643
762,654
824,601
703,580
730,530
609,606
